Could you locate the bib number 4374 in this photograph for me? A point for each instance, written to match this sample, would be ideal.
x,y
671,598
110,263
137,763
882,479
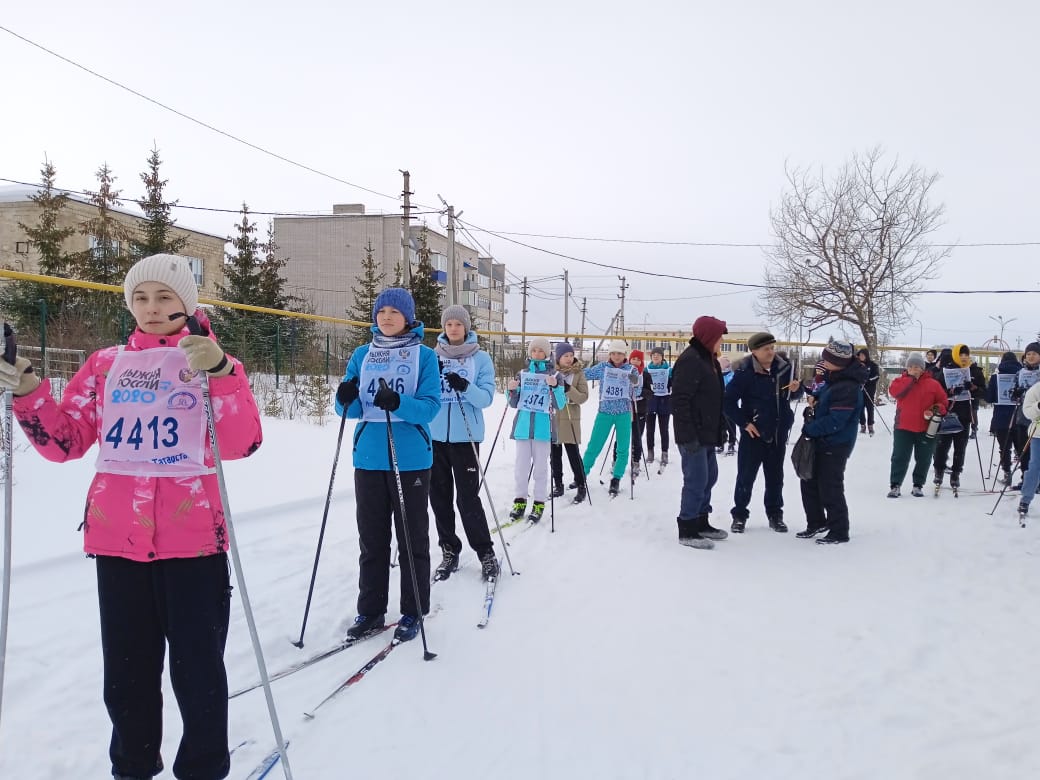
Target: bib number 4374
x,y
140,429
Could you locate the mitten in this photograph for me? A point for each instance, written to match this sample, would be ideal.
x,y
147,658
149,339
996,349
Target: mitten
x,y
347,392
386,399
18,378
204,354
456,382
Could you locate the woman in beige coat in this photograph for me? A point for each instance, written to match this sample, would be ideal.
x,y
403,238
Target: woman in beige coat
x,y
569,423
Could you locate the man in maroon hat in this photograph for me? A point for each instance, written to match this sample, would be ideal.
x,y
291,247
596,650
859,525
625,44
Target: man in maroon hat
x,y
697,421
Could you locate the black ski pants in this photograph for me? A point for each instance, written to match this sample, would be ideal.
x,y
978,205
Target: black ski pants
x,y
573,457
823,496
1021,434
657,419
456,476
183,603
752,454
377,500
942,451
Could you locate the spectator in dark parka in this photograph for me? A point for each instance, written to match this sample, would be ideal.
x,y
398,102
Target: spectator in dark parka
x,y
866,416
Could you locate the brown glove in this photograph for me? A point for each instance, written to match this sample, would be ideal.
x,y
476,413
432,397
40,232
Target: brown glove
x,y
204,354
18,378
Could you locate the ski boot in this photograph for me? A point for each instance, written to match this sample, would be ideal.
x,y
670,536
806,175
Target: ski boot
x,y
863,429
489,567
664,458
719,449
365,625
938,482
407,628
449,564
615,487
732,450
955,483
519,507
636,470
649,454
894,492
1023,510
870,430
557,488
580,496
537,510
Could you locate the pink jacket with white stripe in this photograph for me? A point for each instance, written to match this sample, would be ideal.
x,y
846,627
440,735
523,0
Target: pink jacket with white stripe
x,y
142,518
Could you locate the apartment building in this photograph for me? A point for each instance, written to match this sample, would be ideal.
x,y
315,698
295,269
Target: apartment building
x,y
204,250
324,255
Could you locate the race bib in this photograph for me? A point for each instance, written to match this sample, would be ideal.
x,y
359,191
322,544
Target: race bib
x,y
616,384
534,392
1005,384
463,367
961,377
398,367
1027,378
153,421
659,381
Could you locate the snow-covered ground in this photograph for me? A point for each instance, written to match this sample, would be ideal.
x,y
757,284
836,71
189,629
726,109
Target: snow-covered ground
x,y
616,653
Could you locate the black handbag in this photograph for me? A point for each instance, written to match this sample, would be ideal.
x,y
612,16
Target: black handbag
x,y
803,456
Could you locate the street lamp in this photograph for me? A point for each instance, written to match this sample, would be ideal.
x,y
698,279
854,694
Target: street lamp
x,y
1003,324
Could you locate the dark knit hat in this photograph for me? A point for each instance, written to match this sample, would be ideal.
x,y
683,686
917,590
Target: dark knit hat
x,y
563,348
657,351
707,330
837,352
760,340
1032,346
400,299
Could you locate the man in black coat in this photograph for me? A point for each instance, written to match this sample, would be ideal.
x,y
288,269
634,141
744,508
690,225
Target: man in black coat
x,y
697,423
758,399
866,415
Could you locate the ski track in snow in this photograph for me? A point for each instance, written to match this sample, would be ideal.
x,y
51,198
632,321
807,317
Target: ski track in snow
x,y
616,653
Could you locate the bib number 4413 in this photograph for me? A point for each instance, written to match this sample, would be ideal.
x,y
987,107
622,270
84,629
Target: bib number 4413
x,y
140,429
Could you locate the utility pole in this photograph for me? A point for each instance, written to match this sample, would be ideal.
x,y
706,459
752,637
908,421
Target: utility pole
x,y
566,301
621,314
406,230
583,309
453,290
523,316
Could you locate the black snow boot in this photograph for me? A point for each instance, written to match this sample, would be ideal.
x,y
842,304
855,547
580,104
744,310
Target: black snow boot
x,y
615,487
689,536
580,496
557,488
707,530
776,522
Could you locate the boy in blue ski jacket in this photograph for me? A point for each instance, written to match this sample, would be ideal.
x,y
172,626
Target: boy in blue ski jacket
x,y
536,394
467,388
395,373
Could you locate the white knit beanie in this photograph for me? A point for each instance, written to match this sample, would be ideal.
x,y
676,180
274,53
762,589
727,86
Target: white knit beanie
x,y
617,345
171,270
539,342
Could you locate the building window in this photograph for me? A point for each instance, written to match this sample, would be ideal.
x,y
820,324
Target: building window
x,y
726,347
98,248
196,266
22,247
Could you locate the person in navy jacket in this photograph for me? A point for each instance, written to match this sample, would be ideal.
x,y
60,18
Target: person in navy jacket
x,y
832,422
395,373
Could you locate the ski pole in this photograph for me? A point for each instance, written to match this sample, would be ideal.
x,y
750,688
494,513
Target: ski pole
x,y
197,328
324,518
609,444
583,481
10,352
876,412
978,449
483,481
494,441
427,655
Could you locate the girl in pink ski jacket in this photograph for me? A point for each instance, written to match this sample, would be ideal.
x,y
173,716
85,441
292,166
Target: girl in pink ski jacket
x,y
154,519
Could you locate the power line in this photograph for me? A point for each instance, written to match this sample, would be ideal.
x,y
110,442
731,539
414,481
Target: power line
x,y
199,122
216,209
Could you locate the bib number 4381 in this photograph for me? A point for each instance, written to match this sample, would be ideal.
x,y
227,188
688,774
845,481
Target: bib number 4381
x,y
139,429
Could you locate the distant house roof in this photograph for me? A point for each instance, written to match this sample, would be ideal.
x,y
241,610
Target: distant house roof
x,y
20,193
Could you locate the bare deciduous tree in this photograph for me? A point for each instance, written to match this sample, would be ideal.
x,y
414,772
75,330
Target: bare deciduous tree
x,y
852,249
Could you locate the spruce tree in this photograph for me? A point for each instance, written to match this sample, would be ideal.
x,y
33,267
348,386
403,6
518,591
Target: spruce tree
x,y
426,291
107,259
156,235
366,289
21,300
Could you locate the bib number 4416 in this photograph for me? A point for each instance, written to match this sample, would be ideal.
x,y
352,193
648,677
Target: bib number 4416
x,y
139,430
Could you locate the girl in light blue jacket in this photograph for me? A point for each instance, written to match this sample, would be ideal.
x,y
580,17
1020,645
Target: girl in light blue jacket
x,y
536,394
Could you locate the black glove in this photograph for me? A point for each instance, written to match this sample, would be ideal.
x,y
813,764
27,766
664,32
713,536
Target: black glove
x,y
1017,392
808,413
955,389
347,392
456,382
387,399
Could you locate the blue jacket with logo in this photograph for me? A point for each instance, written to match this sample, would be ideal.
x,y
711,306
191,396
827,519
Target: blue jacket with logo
x,y
614,405
838,404
412,433
538,426
448,425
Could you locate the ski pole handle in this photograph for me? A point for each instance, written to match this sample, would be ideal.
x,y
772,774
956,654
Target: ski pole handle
x,y
10,346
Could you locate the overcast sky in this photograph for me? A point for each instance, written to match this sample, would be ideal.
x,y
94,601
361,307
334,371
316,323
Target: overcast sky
x,y
657,121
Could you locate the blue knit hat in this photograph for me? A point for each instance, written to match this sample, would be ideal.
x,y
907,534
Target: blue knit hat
x,y
400,299
563,348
